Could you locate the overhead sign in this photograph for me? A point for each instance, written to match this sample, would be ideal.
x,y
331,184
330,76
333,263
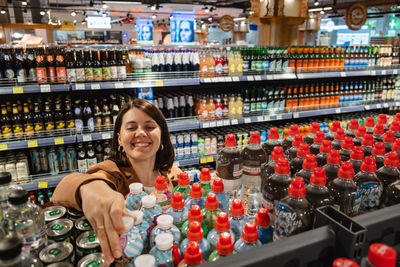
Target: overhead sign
x,y
144,31
356,16
182,27
98,22
226,23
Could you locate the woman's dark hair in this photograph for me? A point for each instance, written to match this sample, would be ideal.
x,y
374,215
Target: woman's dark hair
x,y
164,157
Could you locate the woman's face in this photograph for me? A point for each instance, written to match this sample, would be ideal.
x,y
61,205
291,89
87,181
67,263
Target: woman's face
x,y
185,32
146,33
140,135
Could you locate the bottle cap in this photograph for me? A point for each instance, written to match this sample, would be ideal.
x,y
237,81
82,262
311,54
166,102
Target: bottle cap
x,y
382,119
314,128
195,232
297,188
392,160
396,117
368,140
357,153
378,149
225,244
222,223
334,157
347,143
282,166
148,201
273,133
230,140
262,218
164,241
136,188
237,209
361,131
177,201
310,162
205,175
17,197
389,137
277,153
217,186
138,215
326,146
193,254
255,138
319,137
129,222
339,134
353,124
211,202
381,255
145,260
196,191
10,248
343,262
250,232
318,177
369,122
346,171
303,150
379,130
368,165
195,214
335,126
395,126
161,183
396,144
297,140
183,179
293,130
165,221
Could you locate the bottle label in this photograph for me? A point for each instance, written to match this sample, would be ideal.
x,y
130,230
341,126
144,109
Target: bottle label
x,y
237,171
17,129
114,72
82,165
89,74
286,221
218,68
368,196
265,65
70,124
246,108
61,74
6,130
52,74
48,126
79,125
41,75
122,72
80,74
21,75
264,105
106,73
60,124
251,170
91,162
231,185
71,75
245,65
90,124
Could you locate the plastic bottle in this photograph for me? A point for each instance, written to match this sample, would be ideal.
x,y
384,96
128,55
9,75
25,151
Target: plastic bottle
x,y
6,187
360,133
195,214
383,120
224,247
222,225
292,151
145,260
352,128
192,256
131,241
249,238
334,127
346,148
183,186
162,251
396,147
380,255
395,127
324,150
134,199
269,168
367,144
205,181
211,210
319,137
344,189
195,233
392,193
237,218
338,139
177,209
344,262
264,228
356,158
369,124
317,193
378,133
297,163
273,141
378,152
308,139
12,255
388,140
218,189
143,226
195,197
162,194
309,164
389,173
293,214
150,209
287,142
165,225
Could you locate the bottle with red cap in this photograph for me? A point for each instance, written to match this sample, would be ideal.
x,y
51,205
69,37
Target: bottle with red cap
x,y
237,217
273,141
334,127
388,140
369,124
378,153
292,151
205,181
133,200
195,214
210,211
195,233
352,128
317,142
262,221
275,188
287,142
332,165
370,188
293,214
344,189
268,168
378,133
356,158
392,193
346,148
162,193
380,255
344,262
218,189
195,197
338,139
395,127
367,143
183,186
177,209
249,238
224,247
396,146
192,255
383,120
309,164
324,150
317,193
389,173
396,117
314,128
297,163
222,225
360,133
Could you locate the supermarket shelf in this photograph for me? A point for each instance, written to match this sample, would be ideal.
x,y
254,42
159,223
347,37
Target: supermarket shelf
x,y
94,136
183,124
33,88
43,181
37,142
195,161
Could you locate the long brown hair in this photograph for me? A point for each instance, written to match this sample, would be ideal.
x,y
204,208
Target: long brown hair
x,y
165,155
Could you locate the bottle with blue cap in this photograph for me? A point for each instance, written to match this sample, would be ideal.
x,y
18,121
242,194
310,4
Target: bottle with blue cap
x,y
262,221
143,226
162,251
134,199
150,209
165,225
131,241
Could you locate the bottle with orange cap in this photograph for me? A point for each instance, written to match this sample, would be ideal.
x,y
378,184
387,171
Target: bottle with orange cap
x,y
273,141
317,193
338,139
195,233
292,151
389,173
263,225
133,200
195,197
332,164
195,214
346,148
360,133
183,186
293,213
388,140
378,153
177,209
383,120
356,158
218,189
287,142
237,218
316,143
352,127
224,247
334,127
344,262
369,124
378,133
205,181
367,143
248,239
192,255
324,149
380,255
309,164
395,127
222,225
308,139
268,168
297,163
211,210
162,193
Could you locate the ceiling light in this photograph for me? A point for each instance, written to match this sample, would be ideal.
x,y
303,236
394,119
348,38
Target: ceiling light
x,y
73,13
3,11
316,3
153,7
42,12
105,6
75,21
154,16
328,8
207,10
315,9
24,3
210,19
321,12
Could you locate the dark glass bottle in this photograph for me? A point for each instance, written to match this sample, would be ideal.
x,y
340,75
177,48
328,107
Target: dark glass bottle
x,y
61,69
27,117
317,192
121,66
38,120
78,116
98,120
41,67
88,65
113,65
97,69
59,116
20,68
51,69
69,116
87,114
79,67
9,68
106,116
48,118
6,125
17,123
71,68
105,66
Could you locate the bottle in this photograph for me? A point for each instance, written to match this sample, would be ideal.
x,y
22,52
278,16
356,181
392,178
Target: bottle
x,y
165,226
338,139
106,69
334,127
356,158
224,247
297,163
313,131
388,140
317,193
79,67
383,120
309,164
51,70
352,128
11,254
145,260
369,124
131,241
293,131
237,218
162,251
395,127
143,226
205,181
6,188
273,141
71,68
162,194
359,135
317,142
177,210
262,222
218,189
59,118
343,262
221,225
367,143
211,210
346,148
332,164
293,214
20,71
195,197
192,256
183,186
268,169
27,118
97,69
61,70
113,65
6,123
150,209
195,214
69,116
133,200
378,133
41,70
389,173
378,152
17,123
396,146
292,151
249,238
380,255
195,233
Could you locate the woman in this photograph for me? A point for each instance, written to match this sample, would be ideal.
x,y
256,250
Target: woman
x,y
141,150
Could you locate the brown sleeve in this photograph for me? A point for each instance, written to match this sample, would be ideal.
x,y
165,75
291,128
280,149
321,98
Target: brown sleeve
x,y
173,175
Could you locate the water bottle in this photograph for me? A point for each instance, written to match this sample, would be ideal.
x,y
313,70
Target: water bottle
x,y
237,218
195,233
131,241
263,225
134,199
195,214
211,210
225,247
150,209
183,186
12,255
162,193
177,209
218,189
165,225
205,181
221,225
196,197
6,187
162,251
249,239
145,260
192,256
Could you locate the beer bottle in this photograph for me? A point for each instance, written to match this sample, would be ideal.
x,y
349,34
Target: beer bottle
x,y
107,119
127,61
105,66
113,65
19,66
78,116
16,119
121,66
97,70
30,69
71,68
60,67
51,70
38,120
59,116
5,120
115,110
82,164
79,68
69,116
88,116
88,66
98,120
90,156
48,117
28,121
41,70
99,151
9,70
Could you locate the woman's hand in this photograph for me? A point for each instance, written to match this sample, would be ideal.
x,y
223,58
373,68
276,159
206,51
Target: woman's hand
x,y
104,208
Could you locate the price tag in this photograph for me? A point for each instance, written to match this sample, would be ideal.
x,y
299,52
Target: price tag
x,y
260,118
32,143
210,159
160,83
378,106
215,79
105,136
220,123
250,78
45,88
59,141
296,115
267,118
228,79
176,163
397,104
247,120
367,107
221,79
337,111
42,184
270,77
206,125
384,72
134,85
234,122
343,74
119,85
395,71
257,78
80,86
87,137
386,105
213,124
3,146
95,86
373,72
203,160
207,80
18,90
235,79
300,76
279,117
226,122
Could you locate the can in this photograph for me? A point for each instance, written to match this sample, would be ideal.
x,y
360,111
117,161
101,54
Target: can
x,y
54,213
62,159
61,264
74,214
94,259
71,158
82,225
44,166
57,252
53,162
87,243
60,230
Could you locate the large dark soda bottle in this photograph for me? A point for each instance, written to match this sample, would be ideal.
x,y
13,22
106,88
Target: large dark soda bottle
x,y
383,120
396,147
388,139
293,130
378,133
378,152
332,164
389,172
297,163
324,150
292,151
360,133
334,127
314,128
344,190
346,148
392,193
268,168
367,144
352,128
356,158
317,192
273,141
369,124
338,139
319,137
395,127
309,164
370,188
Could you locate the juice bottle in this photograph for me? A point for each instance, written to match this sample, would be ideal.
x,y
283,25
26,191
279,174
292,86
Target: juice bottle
x,y
268,168
396,147
195,197
332,164
319,137
389,173
356,158
211,108
383,120
195,233
317,193
177,209
346,148
367,142
249,238
313,130
162,194
224,247
232,107
262,221
297,163
388,140
192,256
334,127
203,111
378,133
360,133
292,151
221,225
395,127
218,189
324,150
369,124
309,164
381,255
237,218
287,142
378,152
273,141
338,139
239,107
195,214
211,210
218,108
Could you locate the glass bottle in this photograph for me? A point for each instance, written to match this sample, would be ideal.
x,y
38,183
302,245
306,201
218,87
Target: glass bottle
x,y
12,255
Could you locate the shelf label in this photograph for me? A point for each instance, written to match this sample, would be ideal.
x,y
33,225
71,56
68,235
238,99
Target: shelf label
x,y
247,120
226,122
250,78
176,163
160,83
367,107
95,86
384,72
87,137
32,143
379,106
213,124
18,90
207,80
119,85
45,88
343,74
395,71
228,79
296,115
42,184
386,105
337,111
206,125
59,141
220,123
373,72
279,117
3,146
234,122
105,136
134,85
257,78
206,160
260,118
270,77
235,79
80,86
397,104
267,118
300,76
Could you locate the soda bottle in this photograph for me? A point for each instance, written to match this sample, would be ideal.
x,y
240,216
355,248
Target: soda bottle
x,y
388,140
383,120
195,197
334,127
380,255
6,188
319,137
131,241
344,189
268,168
396,146
133,200
359,135
293,213
249,238
343,262
389,173
183,186
221,225
273,141
332,165
165,226
378,133
367,144
162,194
195,233
356,158
211,210
11,254
308,139
346,148
145,260
237,218
218,189
324,150
177,210
378,152
292,151
297,163
338,139
224,247
150,209
162,251
369,124
352,127
143,226
287,142
395,127
192,256
263,225
195,214
309,164
317,193
205,181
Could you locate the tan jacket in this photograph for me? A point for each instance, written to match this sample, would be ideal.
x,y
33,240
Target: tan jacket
x,y
67,192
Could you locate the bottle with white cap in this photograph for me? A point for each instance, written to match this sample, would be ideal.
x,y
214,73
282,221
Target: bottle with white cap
x,y
150,209
143,226
165,225
145,260
162,252
131,241
134,199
